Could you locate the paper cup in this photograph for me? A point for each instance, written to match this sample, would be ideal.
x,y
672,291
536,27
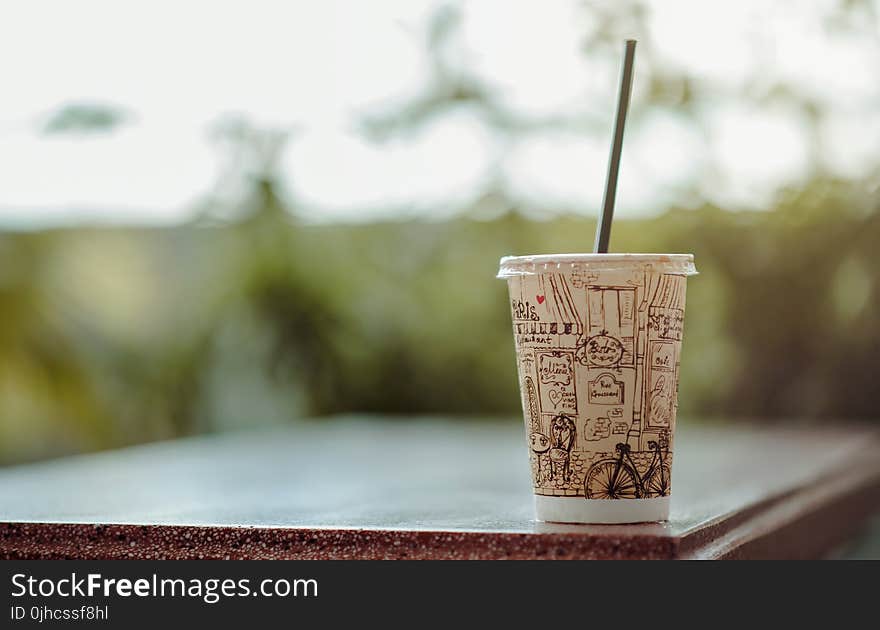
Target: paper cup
x,y
598,341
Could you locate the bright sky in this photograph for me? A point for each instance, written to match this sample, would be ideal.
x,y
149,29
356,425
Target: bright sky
x,y
318,66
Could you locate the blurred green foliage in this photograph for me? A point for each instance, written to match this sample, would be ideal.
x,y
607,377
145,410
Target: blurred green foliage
x,y
111,336
85,118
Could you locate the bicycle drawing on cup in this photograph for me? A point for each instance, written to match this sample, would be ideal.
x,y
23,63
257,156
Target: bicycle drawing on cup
x,y
619,478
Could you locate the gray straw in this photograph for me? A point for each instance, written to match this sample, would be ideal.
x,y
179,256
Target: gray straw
x,y
603,229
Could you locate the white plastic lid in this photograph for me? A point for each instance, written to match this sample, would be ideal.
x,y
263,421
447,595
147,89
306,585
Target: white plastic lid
x,y
530,265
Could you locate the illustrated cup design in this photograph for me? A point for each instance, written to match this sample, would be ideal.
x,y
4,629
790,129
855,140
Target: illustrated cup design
x,y
598,344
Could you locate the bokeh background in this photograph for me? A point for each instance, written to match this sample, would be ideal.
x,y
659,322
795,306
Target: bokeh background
x,y
226,215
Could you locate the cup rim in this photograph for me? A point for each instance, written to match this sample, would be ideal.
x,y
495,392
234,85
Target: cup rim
x,y
681,264
586,258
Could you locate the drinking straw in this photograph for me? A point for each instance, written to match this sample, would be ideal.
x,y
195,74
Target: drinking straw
x,y
603,229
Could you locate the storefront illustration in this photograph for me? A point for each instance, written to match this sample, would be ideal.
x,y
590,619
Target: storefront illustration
x,y
602,357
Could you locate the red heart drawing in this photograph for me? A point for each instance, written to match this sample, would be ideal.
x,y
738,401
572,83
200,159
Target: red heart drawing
x,y
540,299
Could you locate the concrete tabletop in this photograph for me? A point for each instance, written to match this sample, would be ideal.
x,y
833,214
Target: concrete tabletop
x,y
366,487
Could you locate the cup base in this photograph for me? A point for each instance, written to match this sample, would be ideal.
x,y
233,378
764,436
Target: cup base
x,y
602,511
